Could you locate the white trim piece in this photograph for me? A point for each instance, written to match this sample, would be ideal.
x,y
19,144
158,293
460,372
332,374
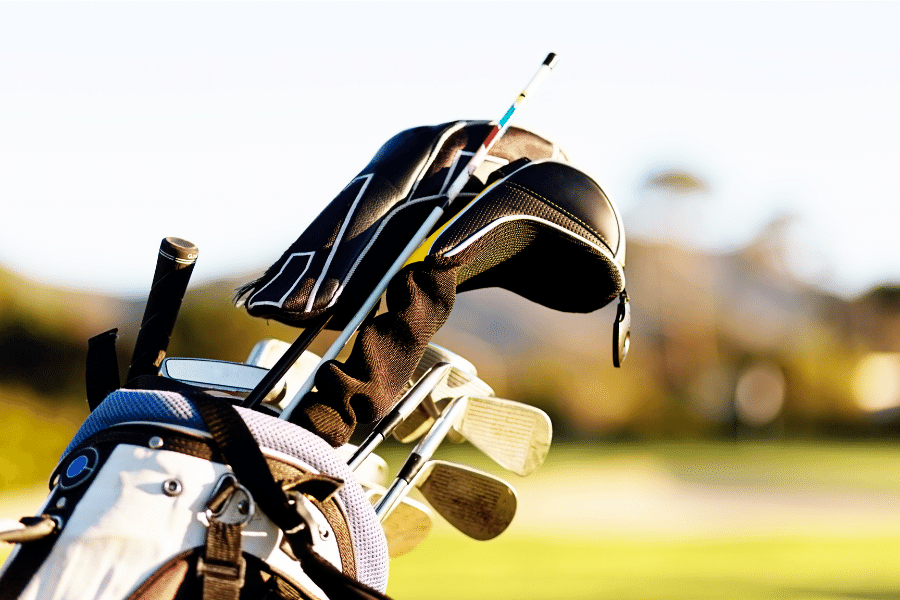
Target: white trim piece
x,y
493,224
433,155
181,261
280,303
482,170
337,241
466,208
448,180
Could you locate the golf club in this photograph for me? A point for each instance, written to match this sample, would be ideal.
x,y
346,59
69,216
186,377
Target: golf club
x,y
267,352
174,266
476,503
407,404
461,381
514,435
375,296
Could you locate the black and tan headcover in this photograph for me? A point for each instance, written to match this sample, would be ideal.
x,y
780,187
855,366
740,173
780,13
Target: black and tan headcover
x,y
531,224
344,252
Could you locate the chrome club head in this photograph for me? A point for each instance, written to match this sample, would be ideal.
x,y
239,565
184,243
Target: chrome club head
x,y
478,504
407,526
462,380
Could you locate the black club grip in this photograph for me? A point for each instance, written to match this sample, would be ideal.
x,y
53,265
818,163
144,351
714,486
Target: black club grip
x,y
170,280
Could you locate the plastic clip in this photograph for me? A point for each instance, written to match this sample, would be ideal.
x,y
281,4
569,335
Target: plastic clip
x,y
621,330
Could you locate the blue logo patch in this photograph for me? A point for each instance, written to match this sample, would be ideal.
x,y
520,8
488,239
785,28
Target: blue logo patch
x,y
80,467
77,466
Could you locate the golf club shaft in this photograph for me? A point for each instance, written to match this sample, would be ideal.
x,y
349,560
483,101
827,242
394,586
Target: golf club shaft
x,y
391,499
402,410
423,451
501,126
283,365
174,266
420,236
370,303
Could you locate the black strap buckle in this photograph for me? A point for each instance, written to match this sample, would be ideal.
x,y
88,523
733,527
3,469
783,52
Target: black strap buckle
x,y
228,572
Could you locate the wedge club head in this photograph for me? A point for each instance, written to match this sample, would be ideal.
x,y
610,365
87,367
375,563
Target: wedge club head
x,y
407,526
516,436
476,503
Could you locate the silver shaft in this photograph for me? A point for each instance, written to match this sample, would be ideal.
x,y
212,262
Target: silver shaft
x,y
365,309
420,236
502,125
391,499
407,404
423,451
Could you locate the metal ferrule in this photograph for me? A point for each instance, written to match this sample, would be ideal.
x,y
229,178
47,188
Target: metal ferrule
x,y
390,499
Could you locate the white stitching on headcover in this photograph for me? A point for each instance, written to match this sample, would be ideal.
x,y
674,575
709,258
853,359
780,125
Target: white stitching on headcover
x,y
378,232
337,241
606,252
407,202
280,303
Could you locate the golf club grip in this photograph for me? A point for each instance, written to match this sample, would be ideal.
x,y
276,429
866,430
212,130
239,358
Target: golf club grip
x,y
170,280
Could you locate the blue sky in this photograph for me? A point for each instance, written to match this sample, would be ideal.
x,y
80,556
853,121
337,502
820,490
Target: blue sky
x,y
233,124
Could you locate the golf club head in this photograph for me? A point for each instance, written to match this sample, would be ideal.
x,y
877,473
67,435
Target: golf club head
x,y
477,503
407,526
267,352
516,436
461,381
208,374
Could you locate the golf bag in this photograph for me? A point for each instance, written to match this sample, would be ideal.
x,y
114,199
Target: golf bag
x,y
528,222
168,493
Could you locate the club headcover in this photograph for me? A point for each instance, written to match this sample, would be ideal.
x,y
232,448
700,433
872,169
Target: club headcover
x,y
546,232
336,262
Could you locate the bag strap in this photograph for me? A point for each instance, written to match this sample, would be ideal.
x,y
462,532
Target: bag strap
x,y
222,566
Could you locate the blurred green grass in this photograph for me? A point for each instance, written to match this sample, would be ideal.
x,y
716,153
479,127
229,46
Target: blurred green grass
x,y
524,567
33,435
806,559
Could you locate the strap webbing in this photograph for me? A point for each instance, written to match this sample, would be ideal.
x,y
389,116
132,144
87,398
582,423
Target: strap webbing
x,y
223,566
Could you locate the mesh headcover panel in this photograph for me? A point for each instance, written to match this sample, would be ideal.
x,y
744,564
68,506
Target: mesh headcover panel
x,y
546,232
369,544
384,355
